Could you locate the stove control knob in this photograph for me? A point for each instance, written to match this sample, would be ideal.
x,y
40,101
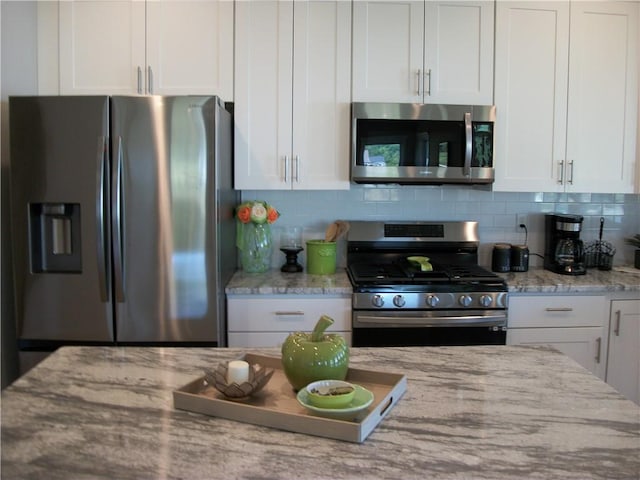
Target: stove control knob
x,y
465,300
399,301
377,300
433,300
486,300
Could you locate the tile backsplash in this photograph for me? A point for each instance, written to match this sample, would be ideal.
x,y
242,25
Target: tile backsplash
x,y
497,213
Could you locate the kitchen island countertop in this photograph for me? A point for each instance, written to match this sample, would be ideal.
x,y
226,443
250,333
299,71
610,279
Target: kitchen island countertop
x,y
469,412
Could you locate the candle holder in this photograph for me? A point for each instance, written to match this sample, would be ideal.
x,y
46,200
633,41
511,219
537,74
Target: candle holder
x,y
291,246
259,376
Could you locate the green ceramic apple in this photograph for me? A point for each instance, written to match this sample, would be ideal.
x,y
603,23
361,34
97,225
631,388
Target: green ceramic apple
x,y
308,357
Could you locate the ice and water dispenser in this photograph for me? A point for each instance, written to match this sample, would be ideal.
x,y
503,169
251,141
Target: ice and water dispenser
x,y
55,237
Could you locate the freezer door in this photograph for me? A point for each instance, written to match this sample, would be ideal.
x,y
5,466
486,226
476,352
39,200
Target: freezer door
x,y
60,208
166,274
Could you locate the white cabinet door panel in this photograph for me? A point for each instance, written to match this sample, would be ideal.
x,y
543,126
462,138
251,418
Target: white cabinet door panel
x,y
603,96
388,42
458,53
623,367
531,76
585,345
263,94
190,48
102,45
321,95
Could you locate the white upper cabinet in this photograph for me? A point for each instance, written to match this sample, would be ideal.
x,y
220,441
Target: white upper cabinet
x,y
603,97
423,52
292,84
156,47
566,94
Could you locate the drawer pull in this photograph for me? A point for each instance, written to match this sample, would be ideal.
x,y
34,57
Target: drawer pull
x,y
559,309
616,330
599,346
284,314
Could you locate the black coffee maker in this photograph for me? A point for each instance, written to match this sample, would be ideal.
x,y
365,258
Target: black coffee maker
x,y
564,251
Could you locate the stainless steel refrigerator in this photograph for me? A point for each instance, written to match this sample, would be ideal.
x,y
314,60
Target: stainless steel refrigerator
x,y
122,219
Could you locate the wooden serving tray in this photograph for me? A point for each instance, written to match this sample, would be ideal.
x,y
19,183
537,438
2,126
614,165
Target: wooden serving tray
x,y
276,405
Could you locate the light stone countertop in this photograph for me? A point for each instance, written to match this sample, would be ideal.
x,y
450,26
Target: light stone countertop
x,y
274,282
469,412
536,280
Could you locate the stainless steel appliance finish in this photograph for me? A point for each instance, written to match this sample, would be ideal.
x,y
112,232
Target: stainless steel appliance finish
x,y
396,303
122,218
431,144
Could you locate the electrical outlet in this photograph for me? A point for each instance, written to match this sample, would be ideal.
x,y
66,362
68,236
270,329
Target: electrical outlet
x,y
521,219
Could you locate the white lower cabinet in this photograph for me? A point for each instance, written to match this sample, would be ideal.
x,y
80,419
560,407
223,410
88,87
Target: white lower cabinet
x,y
574,325
267,320
623,365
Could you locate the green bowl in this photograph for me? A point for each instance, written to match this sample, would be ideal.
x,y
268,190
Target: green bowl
x,y
330,393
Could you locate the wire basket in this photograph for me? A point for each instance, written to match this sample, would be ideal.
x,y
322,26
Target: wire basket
x,y
599,254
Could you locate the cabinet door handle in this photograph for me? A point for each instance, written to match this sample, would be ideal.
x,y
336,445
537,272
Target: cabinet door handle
x,y
286,168
418,82
297,169
598,346
427,74
291,313
559,309
139,80
150,74
560,172
570,179
616,329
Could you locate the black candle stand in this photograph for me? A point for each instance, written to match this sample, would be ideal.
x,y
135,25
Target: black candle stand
x,y
292,265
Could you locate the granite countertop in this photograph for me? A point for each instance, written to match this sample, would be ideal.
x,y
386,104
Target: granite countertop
x,y
539,280
274,282
469,412
536,280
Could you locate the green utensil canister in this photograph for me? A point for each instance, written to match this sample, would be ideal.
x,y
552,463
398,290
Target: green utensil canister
x,y
321,257
308,357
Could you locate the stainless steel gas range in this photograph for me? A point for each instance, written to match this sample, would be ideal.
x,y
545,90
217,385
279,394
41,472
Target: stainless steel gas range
x,y
397,301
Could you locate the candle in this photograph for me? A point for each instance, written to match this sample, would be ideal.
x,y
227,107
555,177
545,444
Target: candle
x,y
238,372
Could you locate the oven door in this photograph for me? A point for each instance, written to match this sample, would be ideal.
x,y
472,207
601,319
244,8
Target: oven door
x,y
428,328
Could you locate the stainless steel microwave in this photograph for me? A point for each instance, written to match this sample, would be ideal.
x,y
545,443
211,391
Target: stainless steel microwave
x,y
421,144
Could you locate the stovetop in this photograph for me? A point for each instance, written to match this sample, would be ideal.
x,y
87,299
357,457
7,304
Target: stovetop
x,y
402,273
377,257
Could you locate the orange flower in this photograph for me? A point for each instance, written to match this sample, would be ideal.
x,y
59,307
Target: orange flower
x,y
244,213
272,214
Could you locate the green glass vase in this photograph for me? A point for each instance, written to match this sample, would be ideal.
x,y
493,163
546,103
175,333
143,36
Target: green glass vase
x,y
256,247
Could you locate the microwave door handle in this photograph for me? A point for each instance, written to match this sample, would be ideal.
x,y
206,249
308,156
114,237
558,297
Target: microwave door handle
x,y
468,144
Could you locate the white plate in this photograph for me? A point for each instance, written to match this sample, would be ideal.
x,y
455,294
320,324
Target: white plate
x,y
361,400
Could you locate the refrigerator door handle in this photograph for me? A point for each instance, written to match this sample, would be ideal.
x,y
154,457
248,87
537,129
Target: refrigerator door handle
x,y
100,219
116,226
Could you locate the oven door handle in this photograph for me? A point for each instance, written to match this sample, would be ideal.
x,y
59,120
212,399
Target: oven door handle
x,y
363,320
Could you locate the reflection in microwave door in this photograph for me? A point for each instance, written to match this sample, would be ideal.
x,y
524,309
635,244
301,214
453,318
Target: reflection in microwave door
x,y
374,160
483,151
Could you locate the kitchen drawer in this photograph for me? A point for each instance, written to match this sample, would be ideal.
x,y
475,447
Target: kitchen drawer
x,y
266,339
557,311
286,313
